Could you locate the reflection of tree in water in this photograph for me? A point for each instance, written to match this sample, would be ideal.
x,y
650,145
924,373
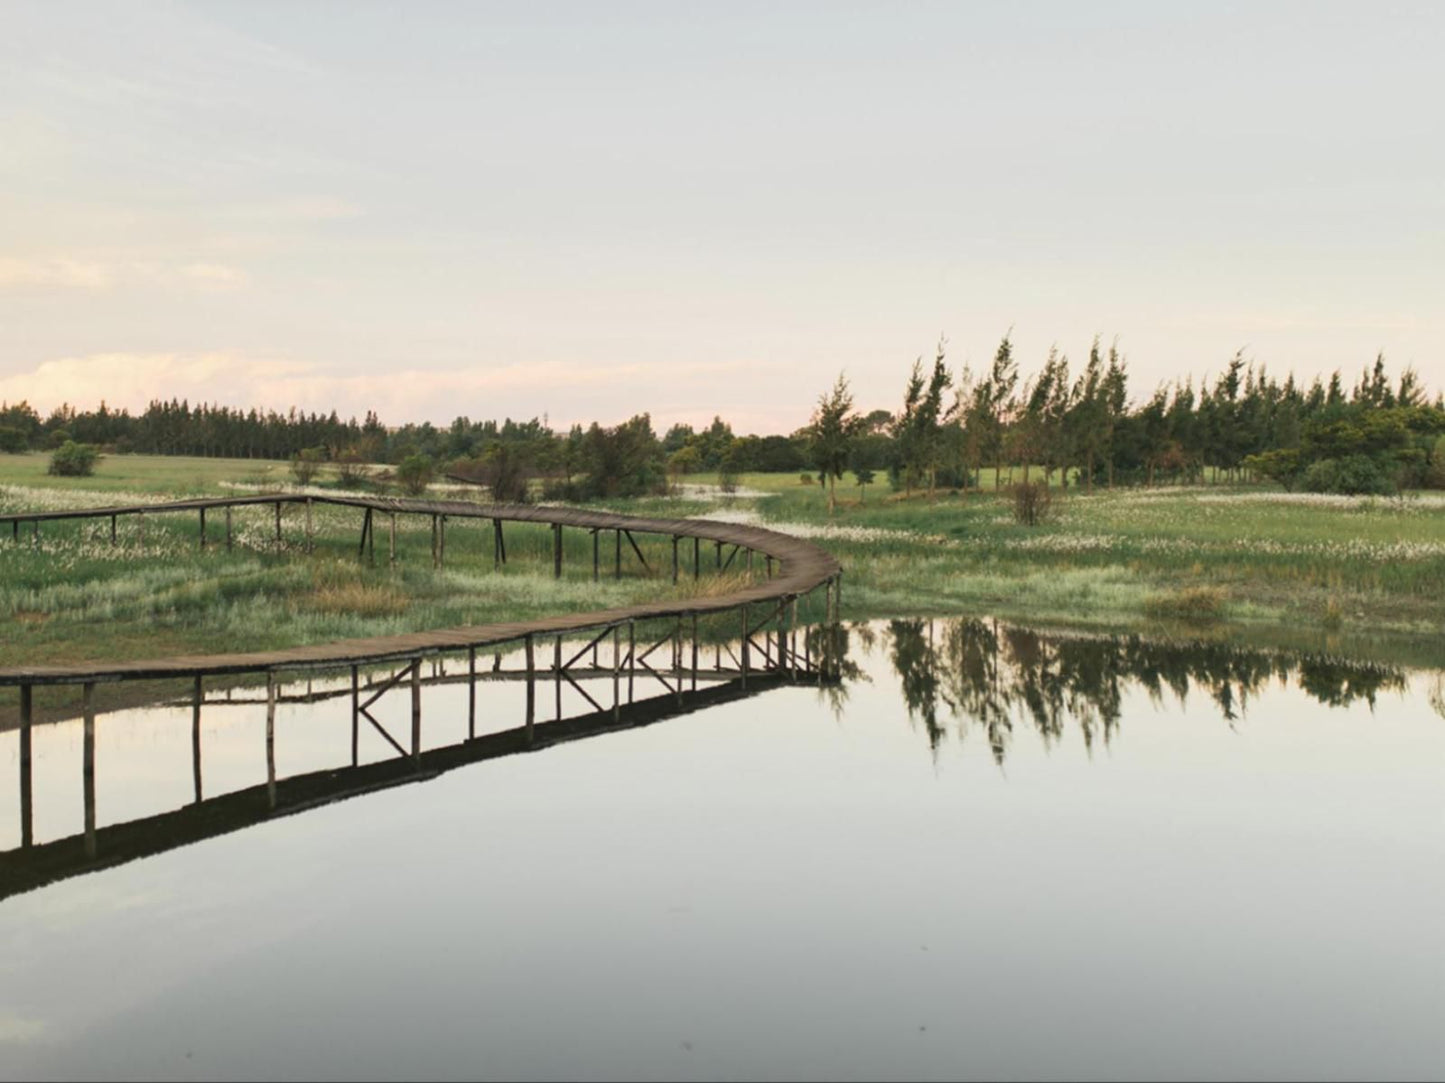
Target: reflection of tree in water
x,y
989,675
828,647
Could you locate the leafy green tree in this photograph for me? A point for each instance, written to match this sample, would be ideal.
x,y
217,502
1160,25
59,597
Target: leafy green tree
x,y
831,434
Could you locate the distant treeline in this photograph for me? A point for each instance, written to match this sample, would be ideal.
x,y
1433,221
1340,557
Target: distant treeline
x,y
1372,435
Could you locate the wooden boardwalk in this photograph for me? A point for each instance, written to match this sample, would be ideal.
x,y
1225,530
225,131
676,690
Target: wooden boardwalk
x,y
801,568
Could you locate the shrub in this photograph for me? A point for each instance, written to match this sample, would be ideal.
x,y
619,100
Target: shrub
x,y
415,473
305,464
349,467
1195,604
805,479
1353,475
72,460
1031,502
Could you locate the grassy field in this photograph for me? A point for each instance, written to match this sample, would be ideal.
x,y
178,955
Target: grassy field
x,y
1297,571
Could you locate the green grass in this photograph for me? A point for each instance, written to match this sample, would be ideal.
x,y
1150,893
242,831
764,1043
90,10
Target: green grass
x,y
1221,560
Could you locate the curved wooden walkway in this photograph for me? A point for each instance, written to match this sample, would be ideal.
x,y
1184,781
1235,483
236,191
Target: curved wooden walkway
x,y
803,567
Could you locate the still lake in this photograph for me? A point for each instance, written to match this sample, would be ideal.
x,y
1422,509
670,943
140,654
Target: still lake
x,y
987,852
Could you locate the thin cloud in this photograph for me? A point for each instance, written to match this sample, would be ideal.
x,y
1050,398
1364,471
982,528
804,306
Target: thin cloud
x,y
64,273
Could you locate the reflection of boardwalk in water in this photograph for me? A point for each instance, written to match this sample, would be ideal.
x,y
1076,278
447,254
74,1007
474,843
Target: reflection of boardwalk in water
x,y
684,690
758,618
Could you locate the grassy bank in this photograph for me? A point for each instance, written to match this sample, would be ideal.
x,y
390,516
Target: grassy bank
x,y
1298,571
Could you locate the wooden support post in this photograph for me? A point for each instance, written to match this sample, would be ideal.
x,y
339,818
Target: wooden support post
x,y
770,567
35,532
87,775
416,710
365,531
677,658
202,544
271,736
675,540
719,555
617,574
391,540
310,537
434,554
531,686
196,697
499,544
556,550
838,598
112,530
750,563
371,539
140,526
230,541
355,716
442,542
27,782
596,554
278,525
696,557
15,529
471,692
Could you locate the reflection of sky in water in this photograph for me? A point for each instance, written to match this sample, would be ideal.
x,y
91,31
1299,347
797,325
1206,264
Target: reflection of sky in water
x,y
771,887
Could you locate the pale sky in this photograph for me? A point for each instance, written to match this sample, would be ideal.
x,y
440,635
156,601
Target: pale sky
x,y
590,211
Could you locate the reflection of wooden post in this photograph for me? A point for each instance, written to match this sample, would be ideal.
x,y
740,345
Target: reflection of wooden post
x,y
416,710
355,716
557,670
694,652
792,637
631,656
196,738
471,692
88,765
531,687
616,672
27,794
271,737
743,654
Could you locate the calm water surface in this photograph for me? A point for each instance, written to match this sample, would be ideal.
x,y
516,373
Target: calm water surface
x,y
989,853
